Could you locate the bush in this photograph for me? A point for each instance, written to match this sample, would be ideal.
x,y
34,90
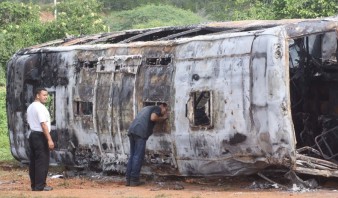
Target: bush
x,y
277,9
76,17
16,13
152,16
304,8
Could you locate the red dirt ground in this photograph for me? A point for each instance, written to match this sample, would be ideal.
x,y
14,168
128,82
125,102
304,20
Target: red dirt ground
x,y
14,182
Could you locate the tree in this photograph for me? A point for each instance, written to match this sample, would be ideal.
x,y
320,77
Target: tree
x,y
16,13
21,26
75,17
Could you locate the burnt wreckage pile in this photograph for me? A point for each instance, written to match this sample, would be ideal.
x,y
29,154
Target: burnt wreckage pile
x,y
243,96
313,88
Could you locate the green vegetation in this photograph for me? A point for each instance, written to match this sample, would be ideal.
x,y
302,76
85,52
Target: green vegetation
x,y
74,18
21,27
5,154
278,9
152,16
20,24
304,8
17,22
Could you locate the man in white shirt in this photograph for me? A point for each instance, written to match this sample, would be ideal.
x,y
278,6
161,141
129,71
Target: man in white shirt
x,y
40,141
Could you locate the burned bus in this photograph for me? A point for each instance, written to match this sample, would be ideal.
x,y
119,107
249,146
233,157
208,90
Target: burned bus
x,y
243,96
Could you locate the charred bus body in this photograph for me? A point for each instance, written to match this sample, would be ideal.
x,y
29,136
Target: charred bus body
x,y
242,95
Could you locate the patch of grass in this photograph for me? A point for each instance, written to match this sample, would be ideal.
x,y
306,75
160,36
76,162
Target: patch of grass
x,y
5,153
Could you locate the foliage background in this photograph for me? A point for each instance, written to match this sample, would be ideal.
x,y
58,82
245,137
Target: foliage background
x,y
20,24
151,15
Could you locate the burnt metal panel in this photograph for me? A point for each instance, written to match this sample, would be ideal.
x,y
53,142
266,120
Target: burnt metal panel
x,y
122,100
157,83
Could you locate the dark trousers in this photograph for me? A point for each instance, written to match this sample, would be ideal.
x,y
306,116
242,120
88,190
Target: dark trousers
x,y
137,152
39,160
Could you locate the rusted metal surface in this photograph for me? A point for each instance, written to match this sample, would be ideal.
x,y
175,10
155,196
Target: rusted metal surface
x,y
242,96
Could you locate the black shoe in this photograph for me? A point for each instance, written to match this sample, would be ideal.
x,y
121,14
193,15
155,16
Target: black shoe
x,y
127,183
46,188
136,183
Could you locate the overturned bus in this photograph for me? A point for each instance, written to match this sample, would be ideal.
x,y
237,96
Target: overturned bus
x,y
243,96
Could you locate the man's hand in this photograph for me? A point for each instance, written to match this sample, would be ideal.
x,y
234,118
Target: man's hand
x,y
50,144
165,116
47,135
155,118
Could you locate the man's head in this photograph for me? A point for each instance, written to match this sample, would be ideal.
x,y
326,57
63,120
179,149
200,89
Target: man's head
x,y
41,95
164,108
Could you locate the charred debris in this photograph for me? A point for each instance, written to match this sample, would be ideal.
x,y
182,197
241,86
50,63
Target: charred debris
x,y
243,96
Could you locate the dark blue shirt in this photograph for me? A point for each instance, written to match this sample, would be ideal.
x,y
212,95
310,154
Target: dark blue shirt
x,y
142,125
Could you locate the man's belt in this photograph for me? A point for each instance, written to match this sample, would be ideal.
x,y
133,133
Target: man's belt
x,y
36,131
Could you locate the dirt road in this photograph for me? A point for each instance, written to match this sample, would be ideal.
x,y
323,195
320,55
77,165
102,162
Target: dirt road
x,y
14,182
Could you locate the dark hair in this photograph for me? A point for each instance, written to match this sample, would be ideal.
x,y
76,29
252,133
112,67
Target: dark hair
x,y
162,103
38,91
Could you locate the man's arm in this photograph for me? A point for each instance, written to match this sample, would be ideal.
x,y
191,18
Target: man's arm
x,y
155,118
47,135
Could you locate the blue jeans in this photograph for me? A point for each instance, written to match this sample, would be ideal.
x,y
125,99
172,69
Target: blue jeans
x,y
137,152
